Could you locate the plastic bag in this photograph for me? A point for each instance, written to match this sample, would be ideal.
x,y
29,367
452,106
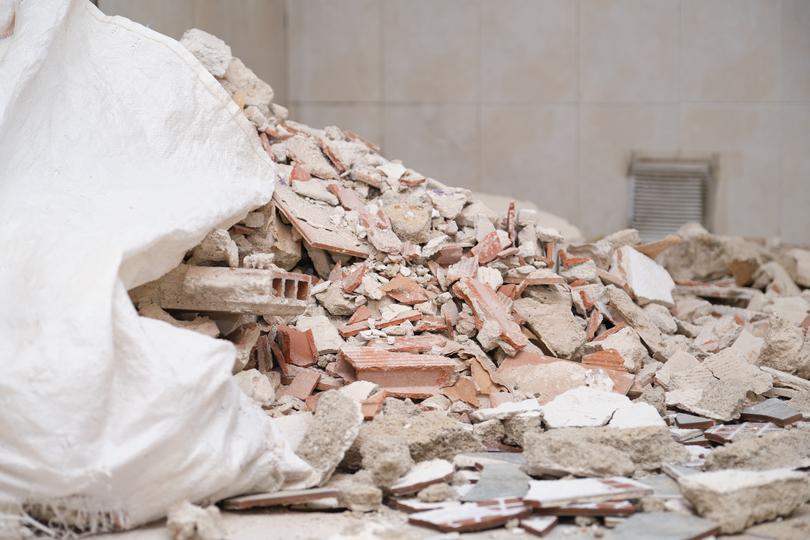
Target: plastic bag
x,y
118,152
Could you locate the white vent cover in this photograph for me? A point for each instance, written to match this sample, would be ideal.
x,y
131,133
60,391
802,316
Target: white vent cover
x,y
667,195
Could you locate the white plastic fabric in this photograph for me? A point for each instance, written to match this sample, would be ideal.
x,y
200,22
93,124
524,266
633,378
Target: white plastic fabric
x,y
118,152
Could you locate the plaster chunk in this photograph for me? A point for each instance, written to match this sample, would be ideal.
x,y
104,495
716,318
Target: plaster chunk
x,y
737,499
213,53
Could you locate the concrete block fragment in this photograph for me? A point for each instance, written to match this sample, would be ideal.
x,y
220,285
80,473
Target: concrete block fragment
x,y
737,499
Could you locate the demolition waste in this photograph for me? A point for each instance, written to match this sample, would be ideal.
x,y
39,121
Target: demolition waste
x,y
474,370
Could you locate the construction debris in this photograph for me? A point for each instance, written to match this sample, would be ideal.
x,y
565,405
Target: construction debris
x,y
736,499
187,521
365,290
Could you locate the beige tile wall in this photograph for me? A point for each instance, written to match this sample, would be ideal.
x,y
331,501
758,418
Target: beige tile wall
x,y
546,99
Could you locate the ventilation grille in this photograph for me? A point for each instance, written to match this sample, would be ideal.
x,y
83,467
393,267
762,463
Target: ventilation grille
x,y
662,204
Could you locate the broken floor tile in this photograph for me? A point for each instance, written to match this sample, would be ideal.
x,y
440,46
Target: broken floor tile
x,y
690,421
773,410
470,517
555,493
422,475
278,498
668,525
605,508
737,499
499,481
538,526
736,432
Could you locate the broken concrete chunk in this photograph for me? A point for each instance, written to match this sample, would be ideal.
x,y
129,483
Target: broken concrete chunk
x,y
387,459
601,451
429,434
737,499
333,429
648,281
661,317
217,246
410,221
783,342
213,53
727,365
335,302
581,407
186,521
783,449
626,310
554,324
638,414
327,338
800,266
254,90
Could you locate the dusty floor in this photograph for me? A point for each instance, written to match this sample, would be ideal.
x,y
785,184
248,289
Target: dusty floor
x,y
322,525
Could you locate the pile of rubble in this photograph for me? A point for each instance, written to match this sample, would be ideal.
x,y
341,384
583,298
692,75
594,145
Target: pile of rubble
x,y
506,378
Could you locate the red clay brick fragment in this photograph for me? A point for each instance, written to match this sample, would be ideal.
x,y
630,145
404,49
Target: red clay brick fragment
x,y
360,314
400,374
610,332
594,320
299,173
567,261
464,390
486,307
298,347
608,358
302,385
354,329
411,344
431,323
405,290
488,248
449,254
354,278
348,198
